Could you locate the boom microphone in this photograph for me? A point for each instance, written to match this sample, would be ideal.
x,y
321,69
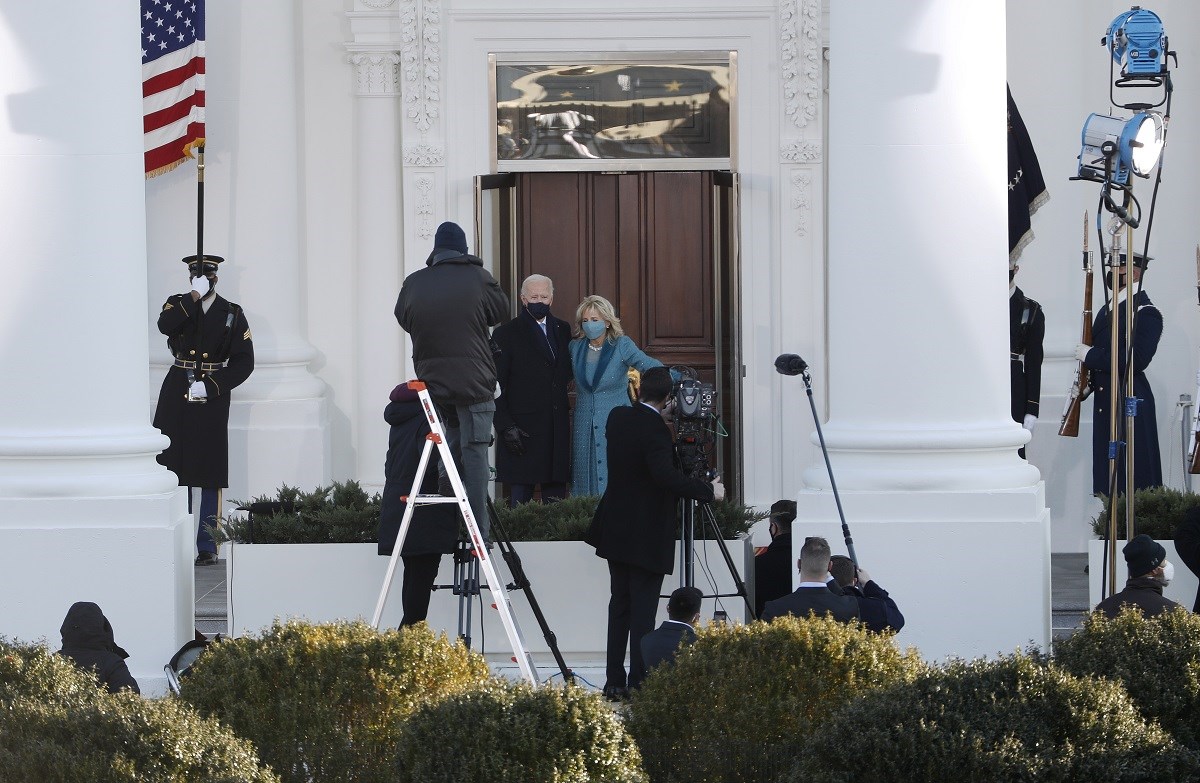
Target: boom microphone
x,y
790,364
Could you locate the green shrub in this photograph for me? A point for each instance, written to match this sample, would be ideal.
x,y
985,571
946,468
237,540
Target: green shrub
x,y
568,520
1157,511
1157,660
339,514
57,724
325,702
738,703
503,732
1011,719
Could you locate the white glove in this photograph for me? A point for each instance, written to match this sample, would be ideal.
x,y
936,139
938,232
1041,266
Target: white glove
x,y
198,389
200,285
718,489
862,576
1081,352
1030,420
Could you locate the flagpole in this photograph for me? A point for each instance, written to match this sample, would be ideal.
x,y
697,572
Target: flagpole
x,y
200,203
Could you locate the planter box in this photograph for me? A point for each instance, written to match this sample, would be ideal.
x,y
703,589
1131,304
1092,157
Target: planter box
x,y
325,582
1182,589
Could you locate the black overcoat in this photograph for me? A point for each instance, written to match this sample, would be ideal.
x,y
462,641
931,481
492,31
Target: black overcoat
x,y
533,396
1026,332
199,450
434,528
1147,466
635,522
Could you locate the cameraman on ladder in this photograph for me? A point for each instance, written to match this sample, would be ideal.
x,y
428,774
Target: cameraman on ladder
x,y
447,309
634,525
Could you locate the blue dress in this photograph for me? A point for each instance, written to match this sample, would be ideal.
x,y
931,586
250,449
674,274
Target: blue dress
x,y
599,388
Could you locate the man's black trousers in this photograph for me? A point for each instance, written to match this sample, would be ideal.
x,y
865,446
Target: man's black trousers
x,y
631,611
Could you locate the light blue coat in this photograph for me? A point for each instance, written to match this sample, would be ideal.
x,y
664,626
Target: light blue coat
x,y
594,399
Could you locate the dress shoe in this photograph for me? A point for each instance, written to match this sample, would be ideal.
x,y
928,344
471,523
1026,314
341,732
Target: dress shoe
x,y
618,693
206,558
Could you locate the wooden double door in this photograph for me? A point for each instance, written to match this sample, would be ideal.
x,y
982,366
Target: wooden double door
x,y
660,245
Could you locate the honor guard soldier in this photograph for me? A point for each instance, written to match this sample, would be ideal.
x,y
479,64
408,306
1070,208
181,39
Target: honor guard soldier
x,y
1026,331
210,340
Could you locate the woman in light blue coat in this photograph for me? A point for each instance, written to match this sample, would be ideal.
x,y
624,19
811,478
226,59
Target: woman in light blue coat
x,y
601,357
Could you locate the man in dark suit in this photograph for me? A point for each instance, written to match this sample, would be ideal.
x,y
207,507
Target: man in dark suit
x,y
683,611
210,340
533,367
773,565
813,596
634,525
876,608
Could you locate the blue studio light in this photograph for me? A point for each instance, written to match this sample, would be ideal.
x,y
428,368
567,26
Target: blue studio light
x,y
1134,145
1138,43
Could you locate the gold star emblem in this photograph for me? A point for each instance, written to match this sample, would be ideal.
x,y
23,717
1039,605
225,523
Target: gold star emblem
x,y
568,94
673,86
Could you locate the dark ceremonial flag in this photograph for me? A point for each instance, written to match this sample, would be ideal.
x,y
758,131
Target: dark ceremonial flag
x,y
1026,188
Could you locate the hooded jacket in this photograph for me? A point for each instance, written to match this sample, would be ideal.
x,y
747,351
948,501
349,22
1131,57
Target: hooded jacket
x,y
87,639
446,309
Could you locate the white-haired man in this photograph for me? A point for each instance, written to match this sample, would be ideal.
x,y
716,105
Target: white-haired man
x,y
533,367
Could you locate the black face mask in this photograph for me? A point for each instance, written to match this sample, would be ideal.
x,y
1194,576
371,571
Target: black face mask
x,y
538,310
1012,273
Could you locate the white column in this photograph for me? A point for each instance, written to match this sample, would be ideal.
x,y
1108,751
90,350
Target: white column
x,y
379,273
942,509
279,421
86,514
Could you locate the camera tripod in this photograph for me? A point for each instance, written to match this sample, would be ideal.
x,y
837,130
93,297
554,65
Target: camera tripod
x,y
467,586
688,510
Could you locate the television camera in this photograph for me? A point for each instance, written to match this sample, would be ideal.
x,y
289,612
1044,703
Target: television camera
x,y
695,418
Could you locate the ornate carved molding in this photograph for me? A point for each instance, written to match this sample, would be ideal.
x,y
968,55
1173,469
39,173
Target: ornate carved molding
x,y
797,151
802,200
424,155
800,50
421,61
377,73
424,206
378,4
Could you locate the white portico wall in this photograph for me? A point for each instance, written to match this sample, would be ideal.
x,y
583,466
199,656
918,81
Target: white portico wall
x,y
279,420
943,511
86,513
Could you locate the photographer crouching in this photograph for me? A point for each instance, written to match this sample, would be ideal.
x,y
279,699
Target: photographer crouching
x,y
634,525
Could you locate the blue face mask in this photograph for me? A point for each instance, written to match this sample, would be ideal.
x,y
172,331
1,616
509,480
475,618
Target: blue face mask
x,y
593,329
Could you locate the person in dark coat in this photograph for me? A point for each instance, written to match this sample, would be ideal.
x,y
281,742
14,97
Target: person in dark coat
x,y
773,566
635,522
876,609
1148,327
434,528
447,308
814,595
683,610
211,342
1026,331
1149,572
87,639
533,367
1187,544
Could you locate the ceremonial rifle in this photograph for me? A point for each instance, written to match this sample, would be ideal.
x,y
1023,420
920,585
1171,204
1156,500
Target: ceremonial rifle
x,y
1194,456
1079,386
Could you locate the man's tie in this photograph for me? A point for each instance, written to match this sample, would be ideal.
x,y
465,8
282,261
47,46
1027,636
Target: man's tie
x,y
546,334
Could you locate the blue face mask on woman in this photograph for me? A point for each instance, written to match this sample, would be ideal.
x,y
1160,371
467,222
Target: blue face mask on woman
x,y
593,329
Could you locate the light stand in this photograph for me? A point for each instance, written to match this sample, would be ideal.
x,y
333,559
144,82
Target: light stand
x,y
791,364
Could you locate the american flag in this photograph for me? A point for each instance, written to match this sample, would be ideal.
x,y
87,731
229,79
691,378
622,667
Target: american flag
x,y
172,81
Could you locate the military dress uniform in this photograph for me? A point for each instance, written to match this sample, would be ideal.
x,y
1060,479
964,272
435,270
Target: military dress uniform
x,y
1026,332
213,346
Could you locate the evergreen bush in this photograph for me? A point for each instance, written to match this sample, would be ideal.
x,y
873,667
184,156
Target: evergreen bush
x,y
326,702
568,520
1012,719
738,703
58,725
341,513
1156,659
503,732
1157,511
